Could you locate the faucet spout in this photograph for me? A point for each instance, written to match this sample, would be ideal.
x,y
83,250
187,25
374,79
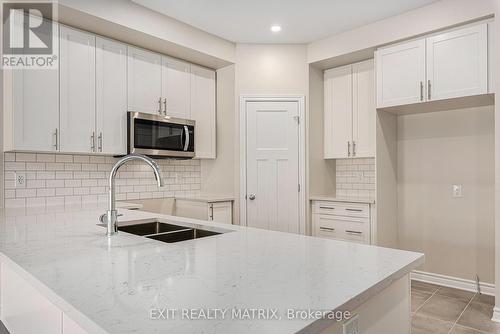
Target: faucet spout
x,y
110,217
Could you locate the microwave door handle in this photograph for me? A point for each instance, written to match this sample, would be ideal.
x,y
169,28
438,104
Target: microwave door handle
x,y
186,143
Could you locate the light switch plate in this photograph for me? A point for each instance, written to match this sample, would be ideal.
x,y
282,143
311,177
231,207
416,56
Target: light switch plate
x,y
457,190
351,326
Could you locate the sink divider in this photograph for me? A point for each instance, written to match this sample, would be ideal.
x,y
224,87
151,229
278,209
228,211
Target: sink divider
x,y
169,232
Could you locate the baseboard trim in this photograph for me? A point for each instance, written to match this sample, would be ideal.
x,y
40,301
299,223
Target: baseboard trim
x,y
454,282
496,314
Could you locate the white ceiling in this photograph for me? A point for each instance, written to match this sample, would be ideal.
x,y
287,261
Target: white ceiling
x,y
249,21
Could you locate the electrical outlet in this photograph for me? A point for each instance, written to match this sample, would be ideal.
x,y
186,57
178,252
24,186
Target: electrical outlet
x,y
20,180
457,190
351,326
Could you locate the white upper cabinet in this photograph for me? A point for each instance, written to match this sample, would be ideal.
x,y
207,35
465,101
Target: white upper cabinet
x,y
363,109
401,74
77,90
203,111
111,96
34,109
457,63
144,81
176,96
338,112
442,66
349,111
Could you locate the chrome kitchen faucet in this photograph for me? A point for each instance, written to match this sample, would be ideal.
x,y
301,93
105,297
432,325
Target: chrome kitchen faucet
x,y
110,217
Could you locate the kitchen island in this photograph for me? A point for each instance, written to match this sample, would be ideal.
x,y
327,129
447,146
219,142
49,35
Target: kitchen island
x,y
61,274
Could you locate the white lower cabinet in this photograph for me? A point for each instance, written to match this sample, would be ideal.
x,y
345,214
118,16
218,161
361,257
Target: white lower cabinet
x,y
220,212
342,221
26,311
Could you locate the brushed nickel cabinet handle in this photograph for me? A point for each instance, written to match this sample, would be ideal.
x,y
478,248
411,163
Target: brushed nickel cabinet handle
x,y
56,134
355,210
326,207
160,111
353,148
421,91
428,90
92,142
165,106
100,142
353,232
348,148
329,229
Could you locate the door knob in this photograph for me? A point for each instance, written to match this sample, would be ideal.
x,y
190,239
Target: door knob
x,y
251,197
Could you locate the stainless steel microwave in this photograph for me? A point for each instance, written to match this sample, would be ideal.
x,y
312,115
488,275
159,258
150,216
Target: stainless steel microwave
x,y
160,136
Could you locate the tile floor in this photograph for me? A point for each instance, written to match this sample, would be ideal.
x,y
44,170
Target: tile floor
x,y
441,310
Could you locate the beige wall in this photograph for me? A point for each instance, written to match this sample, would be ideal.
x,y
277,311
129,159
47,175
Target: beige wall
x,y
322,175
435,151
217,176
435,16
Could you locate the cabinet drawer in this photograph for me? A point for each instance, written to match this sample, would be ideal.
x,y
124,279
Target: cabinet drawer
x,y
342,228
341,209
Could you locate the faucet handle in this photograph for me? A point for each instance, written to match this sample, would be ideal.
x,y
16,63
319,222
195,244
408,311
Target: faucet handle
x,y
103,218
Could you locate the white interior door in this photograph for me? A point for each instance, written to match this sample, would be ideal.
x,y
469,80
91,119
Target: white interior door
x,y
272,158
457,63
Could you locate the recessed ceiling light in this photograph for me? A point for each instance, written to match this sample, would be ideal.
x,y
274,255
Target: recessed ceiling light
x,y
275,28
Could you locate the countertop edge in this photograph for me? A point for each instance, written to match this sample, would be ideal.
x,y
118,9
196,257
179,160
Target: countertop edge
x,y
81,319
341,199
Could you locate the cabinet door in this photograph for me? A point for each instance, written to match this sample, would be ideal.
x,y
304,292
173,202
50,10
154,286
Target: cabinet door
x,y
220,212
77,91
176,88
203,111
401,74
144,81
457,63
338,112
35,107
111,96
363,110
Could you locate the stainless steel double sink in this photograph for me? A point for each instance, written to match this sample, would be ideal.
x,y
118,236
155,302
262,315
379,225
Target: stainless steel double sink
x,y
166,231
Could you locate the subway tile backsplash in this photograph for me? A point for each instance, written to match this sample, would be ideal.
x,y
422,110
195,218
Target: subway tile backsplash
x,y
355,178
63,179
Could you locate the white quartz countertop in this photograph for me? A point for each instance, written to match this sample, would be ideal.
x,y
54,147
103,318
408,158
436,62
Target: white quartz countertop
x,y
342,199
208,198
111,285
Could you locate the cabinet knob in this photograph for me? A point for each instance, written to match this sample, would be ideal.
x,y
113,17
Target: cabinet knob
x,y
251,197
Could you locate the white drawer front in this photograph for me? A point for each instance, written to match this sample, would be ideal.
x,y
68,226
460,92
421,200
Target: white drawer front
x,y
342,209
342,228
